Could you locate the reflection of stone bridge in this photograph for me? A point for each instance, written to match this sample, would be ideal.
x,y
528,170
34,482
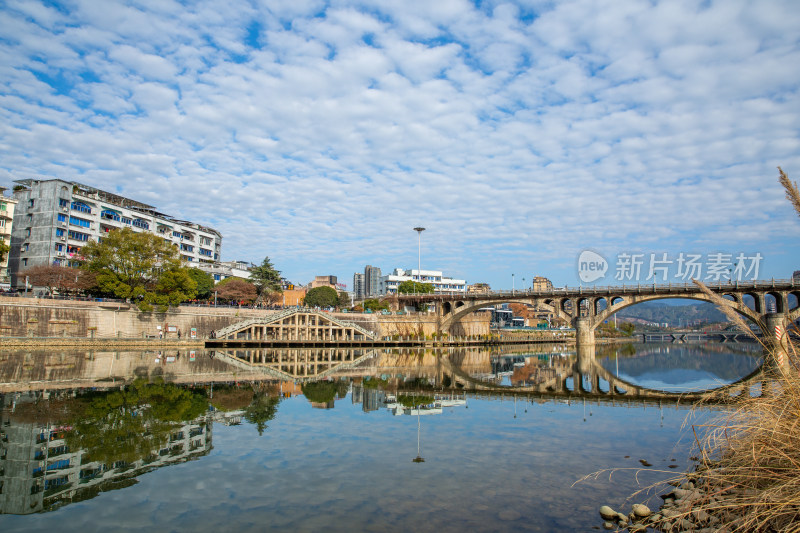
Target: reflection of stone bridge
x,y
587,378
561,377
587,308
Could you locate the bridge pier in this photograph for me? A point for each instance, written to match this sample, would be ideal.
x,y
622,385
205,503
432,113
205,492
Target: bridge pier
x,y
776,341
584,332
586,355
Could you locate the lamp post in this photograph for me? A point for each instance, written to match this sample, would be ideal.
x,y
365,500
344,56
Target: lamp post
x,y
419,230
418,458
512,284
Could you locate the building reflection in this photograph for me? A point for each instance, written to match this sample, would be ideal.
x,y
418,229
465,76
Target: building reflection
x,y
40,470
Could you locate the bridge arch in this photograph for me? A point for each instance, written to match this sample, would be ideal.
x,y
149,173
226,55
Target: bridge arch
x,y
459,312
740,308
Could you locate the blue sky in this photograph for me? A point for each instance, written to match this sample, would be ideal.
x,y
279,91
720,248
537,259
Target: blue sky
x,y
520,134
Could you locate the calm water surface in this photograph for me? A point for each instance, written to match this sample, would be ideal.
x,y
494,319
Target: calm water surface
x,y
338,454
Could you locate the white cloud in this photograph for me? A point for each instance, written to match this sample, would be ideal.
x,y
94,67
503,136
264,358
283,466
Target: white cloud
x,y
518,134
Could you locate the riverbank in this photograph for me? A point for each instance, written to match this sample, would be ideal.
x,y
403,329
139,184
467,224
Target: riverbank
x,y
114,342
162,343
746,471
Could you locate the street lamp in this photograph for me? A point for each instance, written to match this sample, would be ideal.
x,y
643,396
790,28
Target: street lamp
x,y
512,284
418,458
419,230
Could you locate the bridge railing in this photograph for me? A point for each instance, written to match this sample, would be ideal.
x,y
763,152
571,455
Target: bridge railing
x,y
652,288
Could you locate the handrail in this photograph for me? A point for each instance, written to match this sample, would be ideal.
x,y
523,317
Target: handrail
x,y
737,286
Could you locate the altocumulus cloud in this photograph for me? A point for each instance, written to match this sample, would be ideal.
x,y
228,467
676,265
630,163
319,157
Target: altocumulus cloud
x,y
319,133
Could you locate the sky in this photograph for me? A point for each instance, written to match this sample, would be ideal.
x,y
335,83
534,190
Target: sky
x,y
518,134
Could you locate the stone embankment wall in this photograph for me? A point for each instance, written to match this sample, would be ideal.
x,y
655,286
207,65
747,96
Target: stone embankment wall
x,y
33,317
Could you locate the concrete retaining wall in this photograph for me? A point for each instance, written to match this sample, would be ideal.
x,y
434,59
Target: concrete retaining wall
x,y
33,317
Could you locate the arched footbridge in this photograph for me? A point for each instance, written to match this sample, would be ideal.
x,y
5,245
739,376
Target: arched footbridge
x,y
295,324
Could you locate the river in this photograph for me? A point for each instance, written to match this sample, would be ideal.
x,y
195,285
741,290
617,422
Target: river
x,y
215,441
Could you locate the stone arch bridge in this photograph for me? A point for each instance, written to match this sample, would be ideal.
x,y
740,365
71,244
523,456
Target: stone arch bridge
x,y
587,308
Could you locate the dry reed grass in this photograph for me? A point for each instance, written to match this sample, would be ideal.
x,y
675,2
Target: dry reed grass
x,y
747,477
748,472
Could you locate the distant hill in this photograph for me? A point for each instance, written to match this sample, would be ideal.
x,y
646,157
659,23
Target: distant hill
x,y
674,315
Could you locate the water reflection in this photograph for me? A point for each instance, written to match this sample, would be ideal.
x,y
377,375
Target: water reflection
x,y
78,424
681,367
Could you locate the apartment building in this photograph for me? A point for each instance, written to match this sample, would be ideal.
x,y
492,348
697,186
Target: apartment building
x,y
54,218
7,206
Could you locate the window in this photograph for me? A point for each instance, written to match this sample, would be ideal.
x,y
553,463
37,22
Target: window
x,y
187,247
177,234
82,222
126,220
73,249
108,214
82,207
62,218
139,223
24,247
62,202
30,202
205,252
27,232
2,206
78,236
59,232
2,223
59,247
24,261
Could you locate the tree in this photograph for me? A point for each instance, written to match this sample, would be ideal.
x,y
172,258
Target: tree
x,y
344,300
261,410
414,287
4,248
320,391
321,297
375,305
142,267
204,281
236,289
131,424
267,281
59,278
627,328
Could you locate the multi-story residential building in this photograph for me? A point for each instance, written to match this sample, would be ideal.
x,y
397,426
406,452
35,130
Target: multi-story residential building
x,y
6,222
55,218
359,288
441,284
372,281
478,288
542,284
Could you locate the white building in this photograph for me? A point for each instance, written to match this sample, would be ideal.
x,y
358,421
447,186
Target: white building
x,y
55,218
441,284
226,269
7,206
